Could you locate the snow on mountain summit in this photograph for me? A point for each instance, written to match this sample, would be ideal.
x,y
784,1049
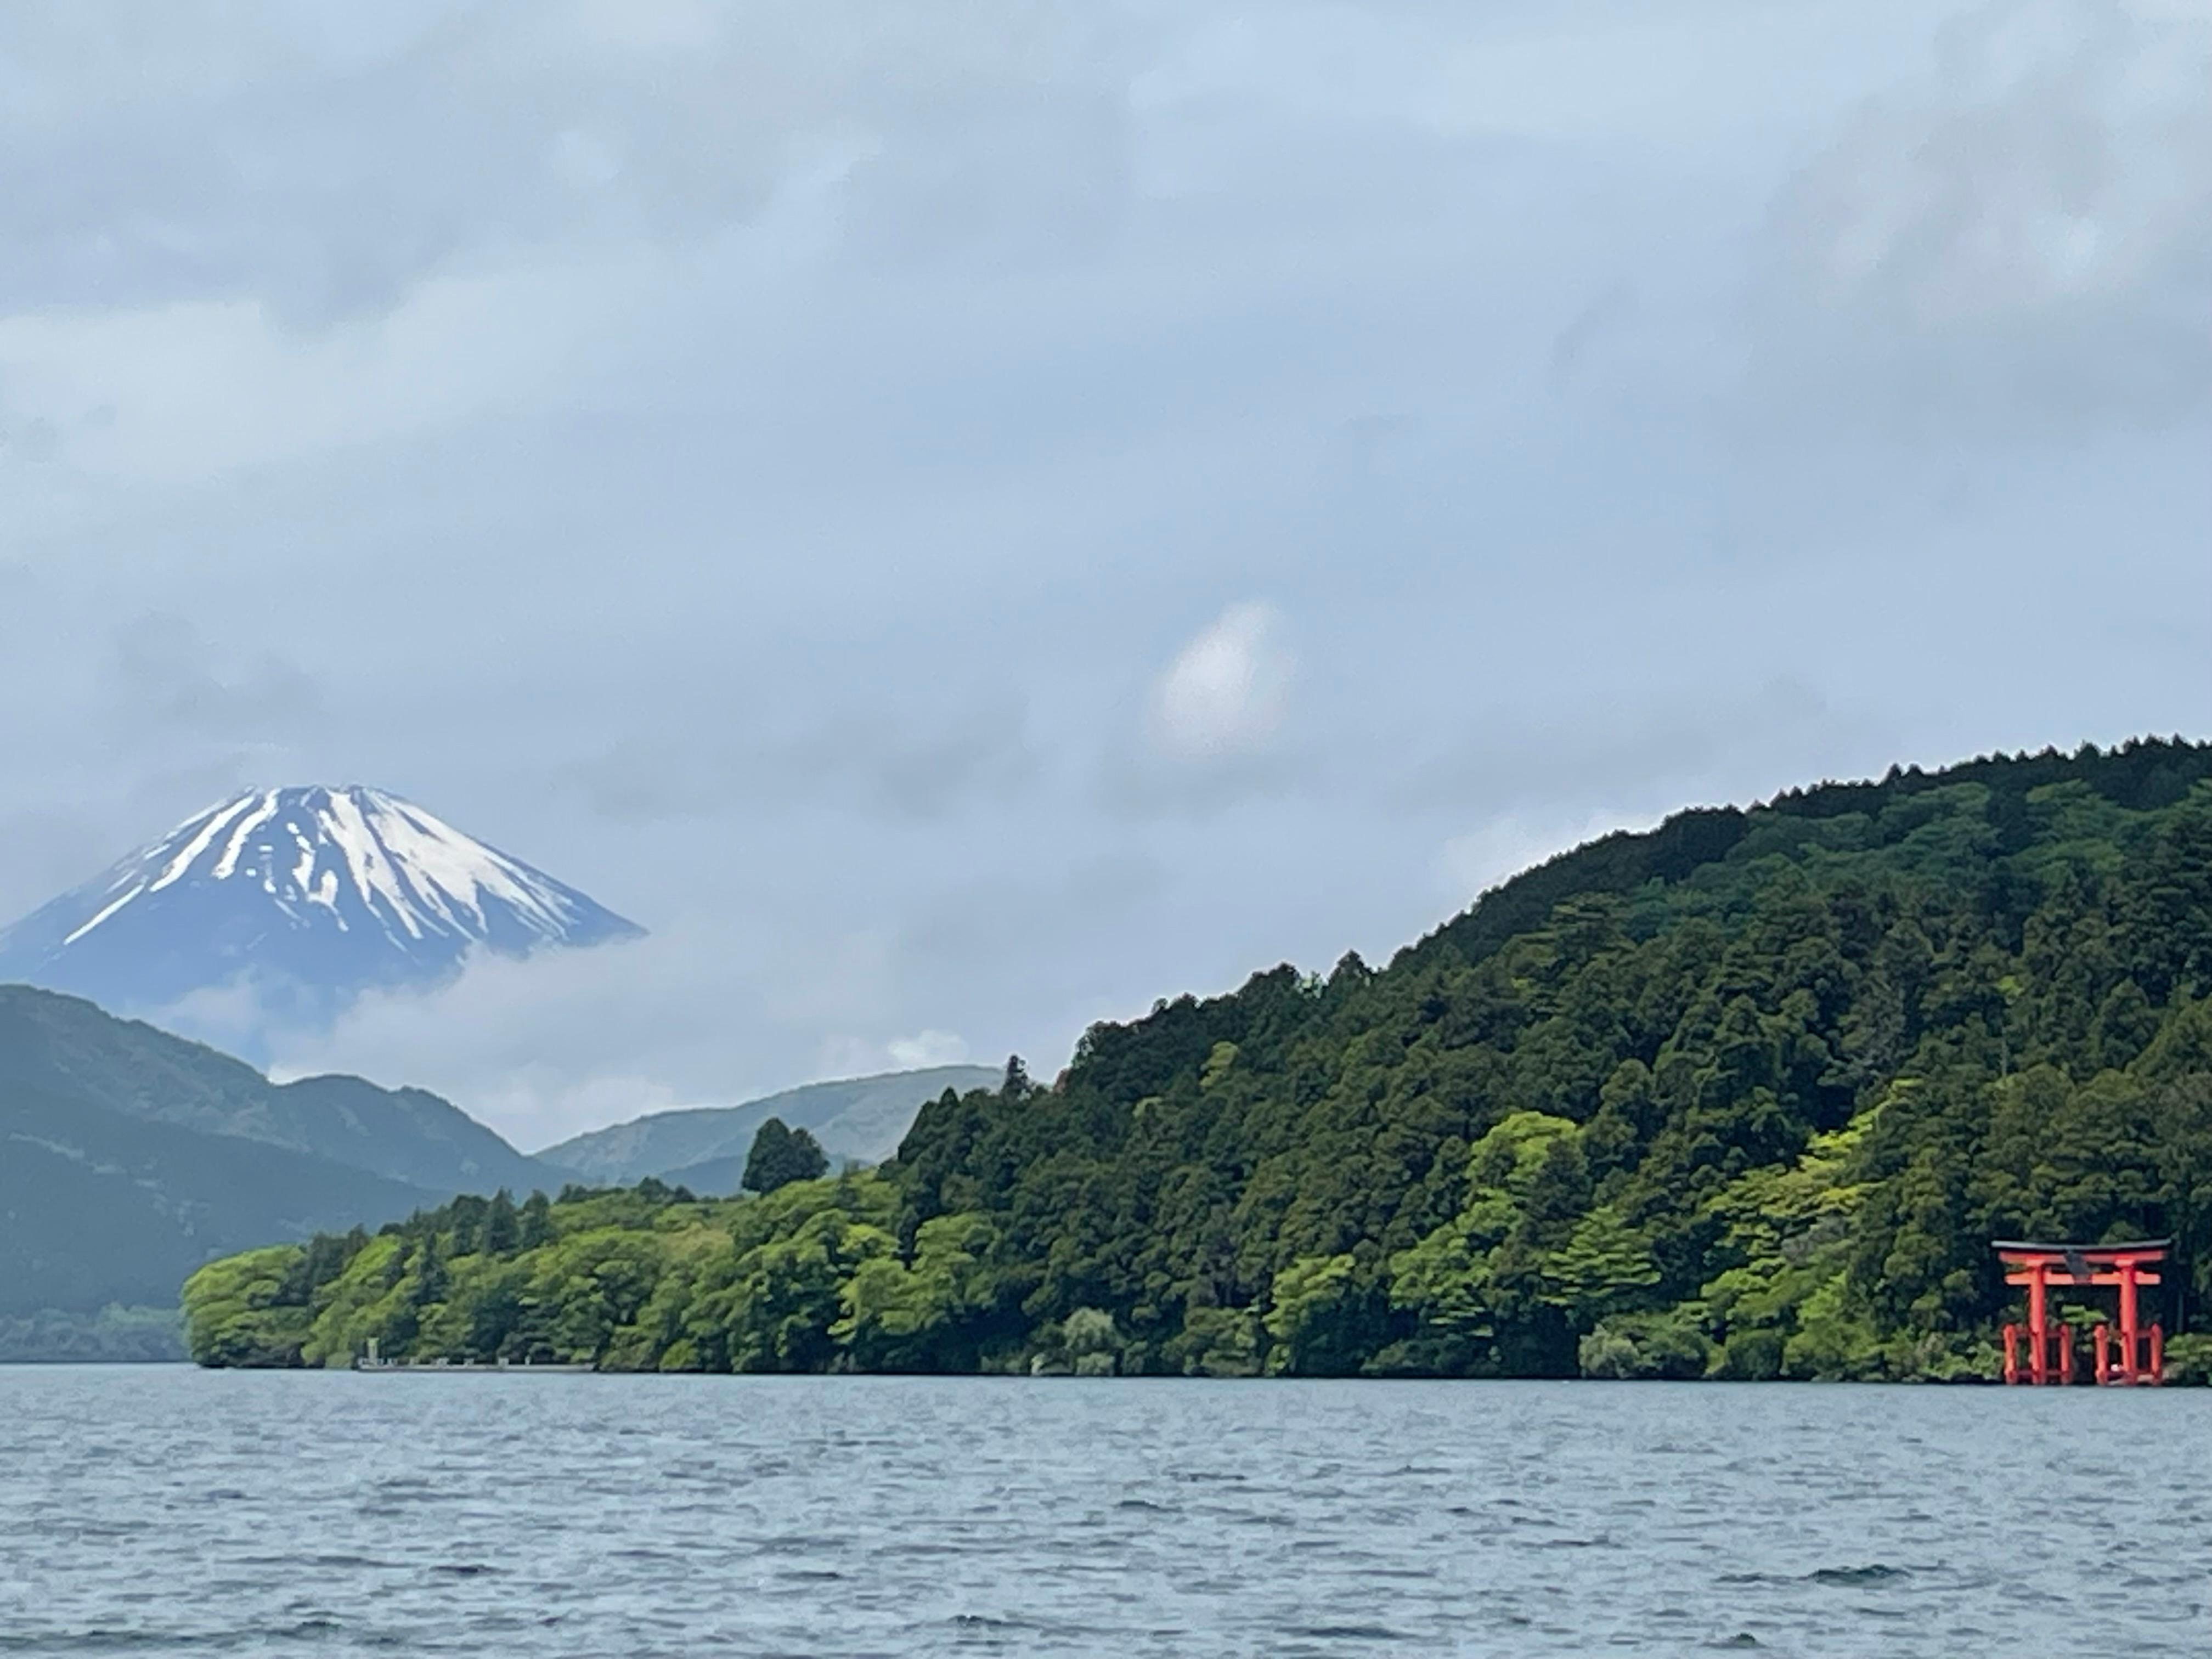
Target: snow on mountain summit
x,y
363,857
323,891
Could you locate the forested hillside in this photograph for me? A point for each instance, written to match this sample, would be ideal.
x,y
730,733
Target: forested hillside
x,y
1746,1096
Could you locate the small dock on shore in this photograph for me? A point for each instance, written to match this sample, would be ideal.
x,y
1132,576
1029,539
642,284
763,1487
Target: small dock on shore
x,y
374,1361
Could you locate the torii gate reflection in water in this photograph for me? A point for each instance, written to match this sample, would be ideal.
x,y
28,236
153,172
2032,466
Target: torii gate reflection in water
x,y
2140,1356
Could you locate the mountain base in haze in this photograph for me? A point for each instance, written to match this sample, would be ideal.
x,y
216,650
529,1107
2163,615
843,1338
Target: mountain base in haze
x,y
113,1336
704,1148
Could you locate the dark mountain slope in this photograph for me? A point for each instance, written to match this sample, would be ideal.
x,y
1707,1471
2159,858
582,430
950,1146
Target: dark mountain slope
x,y
2140,777
97,1207
66,1049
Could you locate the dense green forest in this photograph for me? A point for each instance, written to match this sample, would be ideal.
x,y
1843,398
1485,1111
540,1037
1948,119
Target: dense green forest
x,y
1746,1096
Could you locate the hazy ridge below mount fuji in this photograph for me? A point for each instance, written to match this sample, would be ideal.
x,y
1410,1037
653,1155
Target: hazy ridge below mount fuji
x,y
65,1048
704,1148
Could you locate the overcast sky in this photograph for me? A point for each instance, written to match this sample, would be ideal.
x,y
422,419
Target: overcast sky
x,y
965,518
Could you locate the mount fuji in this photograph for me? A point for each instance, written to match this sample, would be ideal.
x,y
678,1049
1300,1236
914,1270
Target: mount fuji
x,y
310,895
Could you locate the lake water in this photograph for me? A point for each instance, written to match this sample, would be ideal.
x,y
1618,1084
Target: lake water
x,y
165,1510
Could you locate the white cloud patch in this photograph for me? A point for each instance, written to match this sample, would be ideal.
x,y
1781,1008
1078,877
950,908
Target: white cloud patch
x,y
568,1039
1227,691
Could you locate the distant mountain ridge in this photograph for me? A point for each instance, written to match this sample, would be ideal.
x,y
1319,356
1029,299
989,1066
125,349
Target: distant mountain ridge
x,y
68,1048
129,1156
704,1148
313,893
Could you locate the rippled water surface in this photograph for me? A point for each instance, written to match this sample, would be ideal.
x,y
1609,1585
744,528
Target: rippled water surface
x,y
165,1510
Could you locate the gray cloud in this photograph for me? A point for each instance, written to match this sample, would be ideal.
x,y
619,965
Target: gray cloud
x,y
262,154
1636,754
2022,237
1138,786
878,760
46,854
1612,308
166,677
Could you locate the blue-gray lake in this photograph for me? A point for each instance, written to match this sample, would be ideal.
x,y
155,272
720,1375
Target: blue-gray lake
x,y
165,1510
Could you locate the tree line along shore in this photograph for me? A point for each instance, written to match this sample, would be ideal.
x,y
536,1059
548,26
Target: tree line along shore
x,y
1746,1096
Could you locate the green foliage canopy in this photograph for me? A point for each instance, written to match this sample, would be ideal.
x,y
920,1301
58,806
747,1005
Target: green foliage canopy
x,y
782,1155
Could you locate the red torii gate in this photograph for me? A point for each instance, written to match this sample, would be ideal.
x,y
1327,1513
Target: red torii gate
x,y
2140,1356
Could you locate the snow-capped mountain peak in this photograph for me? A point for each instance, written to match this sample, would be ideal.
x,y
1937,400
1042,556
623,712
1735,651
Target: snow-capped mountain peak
x,y
330,888
348,851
